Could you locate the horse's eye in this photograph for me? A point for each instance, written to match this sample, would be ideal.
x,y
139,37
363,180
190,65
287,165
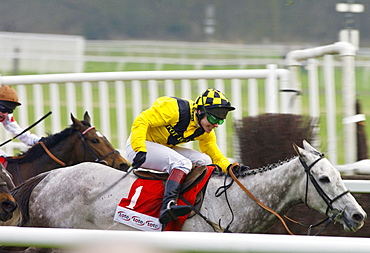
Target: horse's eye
x,y
324,179
95,141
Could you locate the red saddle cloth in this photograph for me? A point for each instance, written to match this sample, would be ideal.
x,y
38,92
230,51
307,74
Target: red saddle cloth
x,y
146,195
3,161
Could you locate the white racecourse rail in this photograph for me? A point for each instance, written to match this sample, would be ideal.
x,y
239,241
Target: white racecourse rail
x,y
80,240
113,99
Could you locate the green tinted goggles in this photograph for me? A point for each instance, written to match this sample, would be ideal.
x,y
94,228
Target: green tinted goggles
x,y
214,120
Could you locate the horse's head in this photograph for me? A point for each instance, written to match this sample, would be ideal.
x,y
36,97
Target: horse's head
x,y
324,190
7,202
96,145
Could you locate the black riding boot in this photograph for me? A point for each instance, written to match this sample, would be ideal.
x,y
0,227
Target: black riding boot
x,y
169,210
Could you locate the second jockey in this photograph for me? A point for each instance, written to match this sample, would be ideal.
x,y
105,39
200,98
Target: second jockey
x,y
8,103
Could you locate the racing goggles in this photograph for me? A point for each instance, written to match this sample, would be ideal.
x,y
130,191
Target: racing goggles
x,y
4,109
214,120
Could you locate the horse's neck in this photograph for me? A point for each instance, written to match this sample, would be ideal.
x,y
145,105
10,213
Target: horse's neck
x,y
278,189
62,153
21,171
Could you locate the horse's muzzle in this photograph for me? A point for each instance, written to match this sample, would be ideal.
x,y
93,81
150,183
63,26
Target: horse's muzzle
x,y
124,167
354,222
8,207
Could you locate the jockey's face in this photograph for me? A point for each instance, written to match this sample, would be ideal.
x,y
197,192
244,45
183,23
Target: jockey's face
x,y
207,126
3,115
4,111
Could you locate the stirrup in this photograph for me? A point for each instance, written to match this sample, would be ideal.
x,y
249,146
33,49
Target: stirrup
x,y
170,203
173,212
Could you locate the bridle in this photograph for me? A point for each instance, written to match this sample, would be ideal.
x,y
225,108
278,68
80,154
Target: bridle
x,y
318,188
97,158
323,195
87,147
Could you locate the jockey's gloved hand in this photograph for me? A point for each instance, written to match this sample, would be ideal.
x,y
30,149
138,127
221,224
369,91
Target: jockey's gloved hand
x,y
139,159
239,169
244,168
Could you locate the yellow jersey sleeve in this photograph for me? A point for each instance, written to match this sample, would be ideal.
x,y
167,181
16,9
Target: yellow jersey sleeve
x,y
163,112
208,145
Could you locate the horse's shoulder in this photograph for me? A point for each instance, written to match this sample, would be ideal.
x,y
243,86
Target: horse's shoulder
x,y
23,192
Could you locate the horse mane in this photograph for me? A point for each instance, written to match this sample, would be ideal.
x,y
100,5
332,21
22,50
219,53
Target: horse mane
x,y
34,152
268,167
22,194
262,169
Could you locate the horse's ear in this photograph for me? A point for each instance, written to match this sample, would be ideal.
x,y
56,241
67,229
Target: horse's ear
x,y
307,146
75,121
297,149
304,154
87,117
300,151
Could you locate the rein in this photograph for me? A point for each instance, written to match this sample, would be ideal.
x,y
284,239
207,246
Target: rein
x,y
216,227
256,199
50,154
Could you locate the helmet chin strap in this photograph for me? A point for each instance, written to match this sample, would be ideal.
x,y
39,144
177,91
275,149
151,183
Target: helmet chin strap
x,y
199,116
203,111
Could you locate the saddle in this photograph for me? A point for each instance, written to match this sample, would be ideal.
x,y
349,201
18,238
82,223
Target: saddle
x,y
195,176
141,208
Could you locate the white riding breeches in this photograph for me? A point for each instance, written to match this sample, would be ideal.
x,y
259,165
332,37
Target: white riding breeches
x,y
164,159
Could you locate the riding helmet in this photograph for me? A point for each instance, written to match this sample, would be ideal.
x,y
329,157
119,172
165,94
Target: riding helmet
x,y
214,102
8,97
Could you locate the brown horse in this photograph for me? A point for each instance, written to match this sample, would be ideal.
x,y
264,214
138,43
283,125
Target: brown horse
x,y
78,143
7,202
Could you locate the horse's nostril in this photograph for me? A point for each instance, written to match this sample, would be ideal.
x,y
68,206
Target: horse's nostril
x,y
9,206
357,217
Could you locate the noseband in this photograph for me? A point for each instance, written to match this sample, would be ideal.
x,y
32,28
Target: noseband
x,y
318,188
97,158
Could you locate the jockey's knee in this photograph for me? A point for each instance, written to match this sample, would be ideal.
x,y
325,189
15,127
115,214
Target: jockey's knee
x,y
184,164
202,159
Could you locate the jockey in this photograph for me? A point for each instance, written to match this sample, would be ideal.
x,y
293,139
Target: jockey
x,y
170,121
8,103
